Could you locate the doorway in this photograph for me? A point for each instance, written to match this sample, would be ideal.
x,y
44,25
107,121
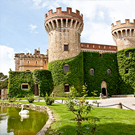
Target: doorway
x,y
104,88
104,91
36,90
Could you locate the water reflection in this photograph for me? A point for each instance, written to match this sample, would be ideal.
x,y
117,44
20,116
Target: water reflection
x,y
11,123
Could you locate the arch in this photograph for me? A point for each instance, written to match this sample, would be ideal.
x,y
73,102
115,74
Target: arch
x,y
66,68
92,71
104,88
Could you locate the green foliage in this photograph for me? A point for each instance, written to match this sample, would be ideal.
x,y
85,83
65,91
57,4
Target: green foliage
x,y
30,98
127,80
89,129
41,76
100,66
3,84
49,100
73,77
16,78
44,79
79,107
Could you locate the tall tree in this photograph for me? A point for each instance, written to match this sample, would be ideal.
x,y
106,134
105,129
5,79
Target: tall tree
x,y
3,81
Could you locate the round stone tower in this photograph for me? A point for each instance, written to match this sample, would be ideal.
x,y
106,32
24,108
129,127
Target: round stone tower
x,y
124,34
64,29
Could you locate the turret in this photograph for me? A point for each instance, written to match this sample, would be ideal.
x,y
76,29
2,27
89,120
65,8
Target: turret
x,y
64,29
124,34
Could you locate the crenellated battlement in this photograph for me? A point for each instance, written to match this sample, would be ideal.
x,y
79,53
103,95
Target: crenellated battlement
x,y
63,14
120,25
124,34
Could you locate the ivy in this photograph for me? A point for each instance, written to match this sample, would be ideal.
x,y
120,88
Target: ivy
x,y
44,79
79,73
73,77
41,76
100,66
127,80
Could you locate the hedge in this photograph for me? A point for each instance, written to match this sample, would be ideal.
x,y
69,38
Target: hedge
x,y
41,76
16,78
44,79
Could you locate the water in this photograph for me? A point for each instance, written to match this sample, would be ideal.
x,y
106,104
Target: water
x,y
11,123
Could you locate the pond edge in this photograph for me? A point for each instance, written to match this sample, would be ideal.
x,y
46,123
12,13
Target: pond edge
x,y
50,120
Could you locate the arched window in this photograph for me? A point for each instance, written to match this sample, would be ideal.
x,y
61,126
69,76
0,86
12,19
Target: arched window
x,y
127,54
92,71
45,62
108,71
66,68
126,71
36,62
28,61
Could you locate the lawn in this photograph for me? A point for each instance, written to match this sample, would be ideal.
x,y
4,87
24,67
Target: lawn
x,y
112,121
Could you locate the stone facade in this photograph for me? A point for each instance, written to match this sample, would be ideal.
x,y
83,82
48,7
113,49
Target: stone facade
x,y
29,62
124,34
64,29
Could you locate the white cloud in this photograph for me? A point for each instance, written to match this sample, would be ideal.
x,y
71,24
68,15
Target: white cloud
x,y
32,28
6,59
97,15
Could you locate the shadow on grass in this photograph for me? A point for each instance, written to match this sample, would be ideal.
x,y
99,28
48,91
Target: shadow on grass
x,y
103,129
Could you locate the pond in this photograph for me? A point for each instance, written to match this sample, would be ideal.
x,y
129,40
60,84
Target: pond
x,y
11,123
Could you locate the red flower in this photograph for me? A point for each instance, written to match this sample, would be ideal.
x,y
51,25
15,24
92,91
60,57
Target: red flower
x,y
9,94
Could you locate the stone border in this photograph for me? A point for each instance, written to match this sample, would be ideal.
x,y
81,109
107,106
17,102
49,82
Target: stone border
x,y
50,120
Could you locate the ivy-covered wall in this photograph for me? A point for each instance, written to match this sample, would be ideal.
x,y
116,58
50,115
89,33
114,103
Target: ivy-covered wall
x,y
79,74
16,78
41,76
127,80
100,66
44,79
75,76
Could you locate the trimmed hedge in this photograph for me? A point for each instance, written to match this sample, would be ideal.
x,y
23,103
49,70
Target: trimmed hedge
x,y
73,77
127,80
41,76
100,66
44,79
16,78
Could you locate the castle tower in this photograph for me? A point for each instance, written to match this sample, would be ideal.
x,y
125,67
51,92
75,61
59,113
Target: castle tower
x,y
64,29
124,34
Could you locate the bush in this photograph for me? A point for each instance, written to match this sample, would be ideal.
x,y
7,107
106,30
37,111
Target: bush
x,y
30,99
49,100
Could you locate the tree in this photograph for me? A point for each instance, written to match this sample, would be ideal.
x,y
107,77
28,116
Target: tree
x,y
3,81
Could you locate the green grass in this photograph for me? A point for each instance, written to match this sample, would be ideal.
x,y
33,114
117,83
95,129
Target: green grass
x,y
112,121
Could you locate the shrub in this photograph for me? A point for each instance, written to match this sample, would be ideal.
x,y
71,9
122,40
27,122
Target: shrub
x,y
79,107
30,98
49,100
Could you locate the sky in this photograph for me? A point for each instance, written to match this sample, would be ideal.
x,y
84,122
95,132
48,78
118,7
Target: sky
x,y
22,24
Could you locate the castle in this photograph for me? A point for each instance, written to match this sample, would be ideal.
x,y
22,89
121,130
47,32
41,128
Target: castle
x,y
105,68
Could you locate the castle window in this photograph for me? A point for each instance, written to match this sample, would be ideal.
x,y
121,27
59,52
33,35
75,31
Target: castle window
x,y
28,61
24,86
65,47
36,62
92,71
108,71
126,71
66,88
101,55
45,62
127,54
66,68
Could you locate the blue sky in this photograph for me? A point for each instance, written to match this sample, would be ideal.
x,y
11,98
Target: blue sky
x,y
22,24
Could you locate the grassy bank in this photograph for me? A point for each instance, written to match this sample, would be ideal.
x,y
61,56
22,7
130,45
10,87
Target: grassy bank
x,y
112,121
